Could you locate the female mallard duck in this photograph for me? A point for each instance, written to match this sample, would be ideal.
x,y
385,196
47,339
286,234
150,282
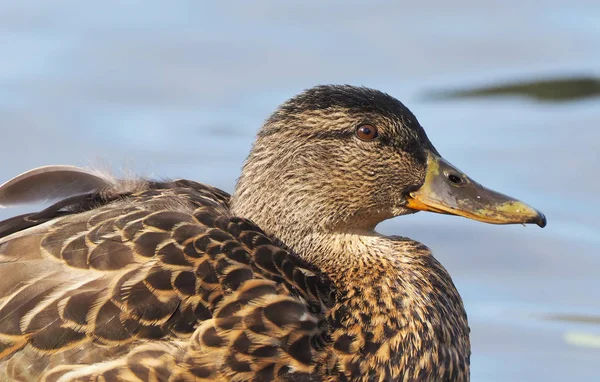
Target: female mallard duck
x,y
284,280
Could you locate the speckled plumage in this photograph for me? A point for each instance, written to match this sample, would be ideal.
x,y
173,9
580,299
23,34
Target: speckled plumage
x,y
175,281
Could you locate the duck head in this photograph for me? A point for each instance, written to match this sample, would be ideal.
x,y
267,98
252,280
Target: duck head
x,y
344,158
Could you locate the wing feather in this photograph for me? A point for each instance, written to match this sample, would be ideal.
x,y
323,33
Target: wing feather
x,y
162,281
50,183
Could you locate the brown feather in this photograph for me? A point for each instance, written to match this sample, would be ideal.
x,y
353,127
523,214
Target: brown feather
x,y
177,270
171,281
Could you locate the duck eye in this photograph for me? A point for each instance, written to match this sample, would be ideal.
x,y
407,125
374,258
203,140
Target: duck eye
x,y
366,132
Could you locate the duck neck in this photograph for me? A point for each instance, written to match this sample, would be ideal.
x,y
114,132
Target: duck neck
x,y
401,302
395,301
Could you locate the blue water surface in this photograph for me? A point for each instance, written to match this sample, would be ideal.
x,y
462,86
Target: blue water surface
x,y
178,89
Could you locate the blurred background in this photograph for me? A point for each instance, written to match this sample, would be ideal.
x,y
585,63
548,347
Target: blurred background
x,y
507,91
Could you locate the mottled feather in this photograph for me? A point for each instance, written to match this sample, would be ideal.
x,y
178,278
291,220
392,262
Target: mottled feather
x,y
170,281
165,272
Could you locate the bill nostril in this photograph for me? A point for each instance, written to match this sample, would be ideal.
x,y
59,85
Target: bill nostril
x,y
455,179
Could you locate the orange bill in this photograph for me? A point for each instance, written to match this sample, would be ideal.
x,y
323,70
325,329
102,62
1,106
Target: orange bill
x,y
448,190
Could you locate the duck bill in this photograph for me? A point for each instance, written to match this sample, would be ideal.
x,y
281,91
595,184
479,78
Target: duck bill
x,y
448,190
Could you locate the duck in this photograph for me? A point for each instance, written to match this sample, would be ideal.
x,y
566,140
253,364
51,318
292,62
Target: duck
x,y
286,279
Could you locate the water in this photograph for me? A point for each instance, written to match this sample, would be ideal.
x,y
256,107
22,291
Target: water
x,y
179,90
